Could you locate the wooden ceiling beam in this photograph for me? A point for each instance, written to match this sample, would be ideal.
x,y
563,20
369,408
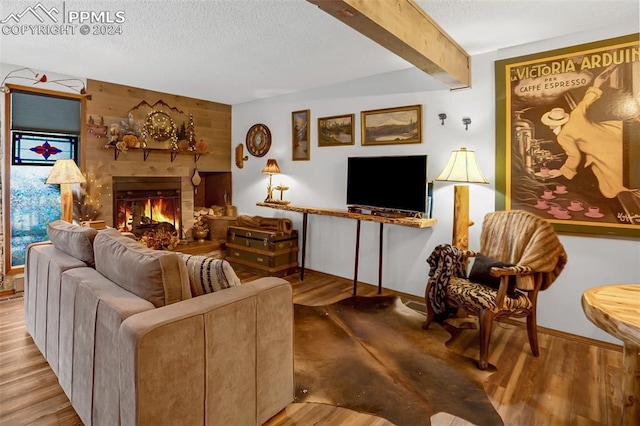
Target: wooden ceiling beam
x,y
402,27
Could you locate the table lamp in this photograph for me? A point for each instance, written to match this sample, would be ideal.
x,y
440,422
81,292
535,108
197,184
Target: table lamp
x,y
271,168
66,173
462,167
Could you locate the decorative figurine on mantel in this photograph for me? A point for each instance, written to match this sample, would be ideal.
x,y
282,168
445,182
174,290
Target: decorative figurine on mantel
x,y
191,134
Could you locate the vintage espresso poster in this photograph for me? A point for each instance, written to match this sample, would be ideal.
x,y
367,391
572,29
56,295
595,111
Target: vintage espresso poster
x,y
568,136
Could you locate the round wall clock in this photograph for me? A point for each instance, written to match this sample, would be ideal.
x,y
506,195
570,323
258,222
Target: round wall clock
x,y
258,140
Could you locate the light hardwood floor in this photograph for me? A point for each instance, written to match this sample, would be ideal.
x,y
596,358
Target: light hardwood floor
x,y
573,382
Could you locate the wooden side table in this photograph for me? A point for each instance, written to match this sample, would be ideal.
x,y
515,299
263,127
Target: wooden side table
x,y
616,310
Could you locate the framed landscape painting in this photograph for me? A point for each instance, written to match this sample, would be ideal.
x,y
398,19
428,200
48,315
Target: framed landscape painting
x,y
300,146
336,131
390,126
568,136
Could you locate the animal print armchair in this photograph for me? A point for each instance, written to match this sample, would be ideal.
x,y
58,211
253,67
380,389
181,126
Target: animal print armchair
x,y
520,255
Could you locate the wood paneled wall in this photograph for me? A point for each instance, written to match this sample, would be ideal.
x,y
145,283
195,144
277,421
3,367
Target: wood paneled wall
x,y
112,102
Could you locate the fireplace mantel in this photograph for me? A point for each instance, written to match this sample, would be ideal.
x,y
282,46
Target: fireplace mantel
x,y
111,103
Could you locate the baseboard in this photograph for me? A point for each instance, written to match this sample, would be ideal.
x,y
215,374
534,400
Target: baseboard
x,y
421,307
568,336
9,297
7,293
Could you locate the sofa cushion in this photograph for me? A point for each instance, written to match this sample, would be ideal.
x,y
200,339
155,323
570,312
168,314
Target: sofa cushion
x,y
155,275
75,240
207,274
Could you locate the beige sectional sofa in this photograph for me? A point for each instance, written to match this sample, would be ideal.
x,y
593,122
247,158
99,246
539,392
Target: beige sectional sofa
x,y
130,345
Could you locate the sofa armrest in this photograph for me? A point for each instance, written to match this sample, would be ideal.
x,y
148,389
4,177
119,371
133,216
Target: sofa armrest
x,y
223,358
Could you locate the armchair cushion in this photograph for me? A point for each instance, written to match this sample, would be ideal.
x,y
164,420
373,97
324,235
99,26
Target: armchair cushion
x,y
473,296
481,272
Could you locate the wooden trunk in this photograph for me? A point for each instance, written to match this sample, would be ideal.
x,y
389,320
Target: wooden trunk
x,y
262,252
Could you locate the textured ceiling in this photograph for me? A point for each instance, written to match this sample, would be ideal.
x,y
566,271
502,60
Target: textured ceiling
x,y
234,51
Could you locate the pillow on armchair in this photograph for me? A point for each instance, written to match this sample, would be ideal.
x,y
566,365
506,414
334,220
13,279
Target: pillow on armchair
x,y
481,272
207,274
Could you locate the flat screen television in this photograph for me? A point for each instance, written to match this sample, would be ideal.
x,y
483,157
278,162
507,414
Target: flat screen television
x,y
388,182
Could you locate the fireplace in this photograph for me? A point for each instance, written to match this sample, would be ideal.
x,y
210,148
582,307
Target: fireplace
x,y
143,204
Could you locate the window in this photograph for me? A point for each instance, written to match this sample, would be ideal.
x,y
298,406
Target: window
x,y
44,127
41,148
32,205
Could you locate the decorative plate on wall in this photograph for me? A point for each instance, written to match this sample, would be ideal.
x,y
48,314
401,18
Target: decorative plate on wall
x,y
258,140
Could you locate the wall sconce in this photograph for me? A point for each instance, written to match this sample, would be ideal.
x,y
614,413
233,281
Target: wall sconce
x,y
466,121
240,157
442,116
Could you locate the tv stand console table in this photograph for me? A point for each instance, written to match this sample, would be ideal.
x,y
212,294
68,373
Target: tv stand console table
x,y
402,221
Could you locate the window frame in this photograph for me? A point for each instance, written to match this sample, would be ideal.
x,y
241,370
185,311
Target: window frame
x,y
7,153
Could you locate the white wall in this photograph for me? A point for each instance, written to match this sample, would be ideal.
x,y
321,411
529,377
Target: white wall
x,y
321,182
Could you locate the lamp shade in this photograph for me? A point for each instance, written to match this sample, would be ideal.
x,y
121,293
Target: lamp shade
x,y
271,167
462,167
65,171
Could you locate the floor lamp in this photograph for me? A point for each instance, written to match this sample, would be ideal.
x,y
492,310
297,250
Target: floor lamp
x,y
66,173
462,167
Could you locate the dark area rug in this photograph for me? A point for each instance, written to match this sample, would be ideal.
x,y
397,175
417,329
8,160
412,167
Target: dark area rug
x,y
370,354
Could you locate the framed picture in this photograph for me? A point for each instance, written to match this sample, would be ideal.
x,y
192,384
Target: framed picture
x,y
568,136
337,130
392,125
300,146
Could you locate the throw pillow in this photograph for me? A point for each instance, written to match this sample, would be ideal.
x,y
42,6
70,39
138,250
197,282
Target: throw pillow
x,y
207,274
481,272
75,240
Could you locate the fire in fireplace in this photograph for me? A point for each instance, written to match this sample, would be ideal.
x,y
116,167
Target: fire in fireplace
x,y
143,204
